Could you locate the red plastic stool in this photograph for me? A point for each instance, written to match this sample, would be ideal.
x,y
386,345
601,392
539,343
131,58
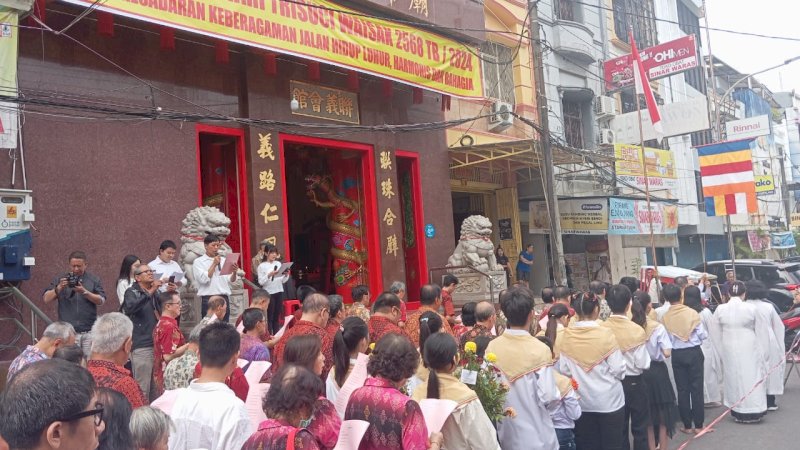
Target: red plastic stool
x,y
290,306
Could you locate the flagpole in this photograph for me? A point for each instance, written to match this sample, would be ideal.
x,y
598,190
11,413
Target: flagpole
x,y
646,183
643,78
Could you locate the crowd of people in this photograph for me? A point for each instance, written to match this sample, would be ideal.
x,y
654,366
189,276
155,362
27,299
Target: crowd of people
x,y
613,367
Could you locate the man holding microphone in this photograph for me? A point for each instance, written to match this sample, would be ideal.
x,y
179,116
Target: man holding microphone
x,y
206,270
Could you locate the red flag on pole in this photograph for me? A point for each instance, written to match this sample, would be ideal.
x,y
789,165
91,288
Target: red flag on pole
x,y
643,87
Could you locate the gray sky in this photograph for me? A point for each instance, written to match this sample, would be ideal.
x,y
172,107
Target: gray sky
x,y
750,54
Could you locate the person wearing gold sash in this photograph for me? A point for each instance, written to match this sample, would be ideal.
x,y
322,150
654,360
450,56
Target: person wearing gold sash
x,y
687,333
468,427
590,354
631,339
526,364
661,395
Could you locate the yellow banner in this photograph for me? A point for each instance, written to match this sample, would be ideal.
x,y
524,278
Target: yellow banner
x,y
765,184
322,31
660,163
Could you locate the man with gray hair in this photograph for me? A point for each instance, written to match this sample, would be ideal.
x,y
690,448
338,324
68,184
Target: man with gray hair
x,y
180,371
398,288
316,312
485,318
112,339
150,427
57,334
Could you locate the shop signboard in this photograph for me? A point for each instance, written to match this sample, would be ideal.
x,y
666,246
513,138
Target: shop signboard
x,y
659,61
578,216
765,184
678,118
747,128
323,31
626,216
660,167
324,102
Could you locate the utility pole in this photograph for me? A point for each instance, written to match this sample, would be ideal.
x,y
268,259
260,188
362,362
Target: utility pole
x,y
547,169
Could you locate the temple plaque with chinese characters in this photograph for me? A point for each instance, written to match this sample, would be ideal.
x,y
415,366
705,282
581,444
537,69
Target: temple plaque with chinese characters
x,y
324,102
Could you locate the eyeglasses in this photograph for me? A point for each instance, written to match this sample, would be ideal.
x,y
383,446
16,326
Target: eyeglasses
x,y
144,272
97,412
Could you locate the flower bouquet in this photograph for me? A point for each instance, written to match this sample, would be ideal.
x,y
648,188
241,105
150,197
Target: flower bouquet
x,y
483,377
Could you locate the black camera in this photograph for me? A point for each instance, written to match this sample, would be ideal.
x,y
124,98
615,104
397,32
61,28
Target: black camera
x,y
73,280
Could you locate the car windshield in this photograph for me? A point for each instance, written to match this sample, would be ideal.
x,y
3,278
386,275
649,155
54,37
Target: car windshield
x,y
793,273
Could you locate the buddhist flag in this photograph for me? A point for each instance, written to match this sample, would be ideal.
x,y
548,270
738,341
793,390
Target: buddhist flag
x,y
643,88
726,171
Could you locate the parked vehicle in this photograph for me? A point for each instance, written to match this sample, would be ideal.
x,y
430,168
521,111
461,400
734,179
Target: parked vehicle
x,y
780,278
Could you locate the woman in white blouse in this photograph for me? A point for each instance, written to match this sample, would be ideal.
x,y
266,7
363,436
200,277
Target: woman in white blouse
x,y
351,339
129,265
468,427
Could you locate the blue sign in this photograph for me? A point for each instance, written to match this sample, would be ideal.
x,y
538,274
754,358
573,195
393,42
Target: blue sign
x,y
430,231
784,239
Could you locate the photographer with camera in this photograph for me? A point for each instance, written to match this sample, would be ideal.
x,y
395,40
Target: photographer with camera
x,y
78,293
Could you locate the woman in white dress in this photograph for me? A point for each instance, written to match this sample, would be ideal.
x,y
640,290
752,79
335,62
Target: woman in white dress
x,y
776,349
468,427
712,364
742,337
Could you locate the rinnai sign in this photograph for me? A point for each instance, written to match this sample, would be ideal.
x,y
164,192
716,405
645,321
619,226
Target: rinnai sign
x,y
322,31
660,61
747,128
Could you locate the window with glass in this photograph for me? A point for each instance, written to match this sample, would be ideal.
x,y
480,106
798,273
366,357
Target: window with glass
x,y
573,124
638,15
498,71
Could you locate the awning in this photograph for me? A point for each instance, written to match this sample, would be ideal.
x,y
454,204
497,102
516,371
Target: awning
x,y
518,154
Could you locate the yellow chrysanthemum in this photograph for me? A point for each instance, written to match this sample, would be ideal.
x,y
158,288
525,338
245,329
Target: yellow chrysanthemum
x,y
470,347
491,357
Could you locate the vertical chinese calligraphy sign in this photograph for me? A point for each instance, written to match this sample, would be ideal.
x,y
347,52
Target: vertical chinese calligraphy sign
x,y
267,188
390,212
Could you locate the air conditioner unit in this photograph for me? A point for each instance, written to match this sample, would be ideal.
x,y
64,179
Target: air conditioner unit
x,y
501,117
605,107
605,137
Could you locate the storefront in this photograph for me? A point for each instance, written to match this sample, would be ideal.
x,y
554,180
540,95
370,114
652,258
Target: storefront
x,y
294,150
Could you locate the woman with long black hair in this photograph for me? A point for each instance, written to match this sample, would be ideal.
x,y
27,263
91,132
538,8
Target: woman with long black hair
x,y
468,426
351,339
125,279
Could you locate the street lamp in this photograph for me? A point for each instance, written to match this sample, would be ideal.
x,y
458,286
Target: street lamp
x,y
718,101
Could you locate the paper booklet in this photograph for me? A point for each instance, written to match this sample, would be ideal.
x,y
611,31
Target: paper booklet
x,y
282,270
354,381
257,391
178,277
280,332
436,412
350,434
230,260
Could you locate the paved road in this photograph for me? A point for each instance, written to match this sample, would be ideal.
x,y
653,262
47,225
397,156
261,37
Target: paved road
x,y
778,430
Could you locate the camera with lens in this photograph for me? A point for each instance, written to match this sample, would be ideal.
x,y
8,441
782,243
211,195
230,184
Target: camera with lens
x,y
73,280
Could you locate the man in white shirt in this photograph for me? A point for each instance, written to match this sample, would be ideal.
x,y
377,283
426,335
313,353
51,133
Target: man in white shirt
x,y
206,270
165,265
208,414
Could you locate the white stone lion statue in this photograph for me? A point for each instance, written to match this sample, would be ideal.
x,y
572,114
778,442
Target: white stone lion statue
x,y
195,226
475,247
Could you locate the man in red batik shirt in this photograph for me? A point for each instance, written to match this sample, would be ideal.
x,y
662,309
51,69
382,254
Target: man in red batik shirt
x,y
168,341
385,317
316,312
450,283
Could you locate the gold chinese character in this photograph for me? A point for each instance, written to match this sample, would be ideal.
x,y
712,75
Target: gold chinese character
x,y
266,180
346,106
386,188
265,146
420,6
386,160
391,245
316,101
272,240
301,96
268,213
332,104
389,217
